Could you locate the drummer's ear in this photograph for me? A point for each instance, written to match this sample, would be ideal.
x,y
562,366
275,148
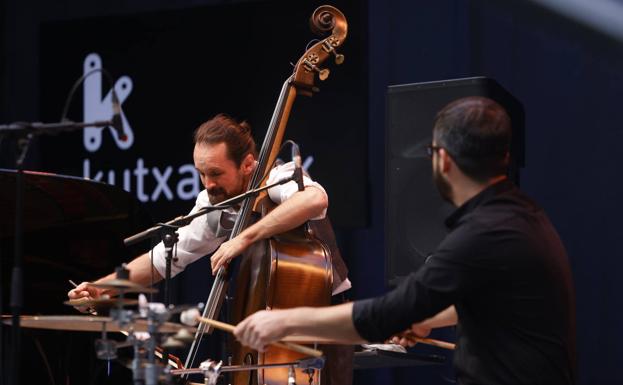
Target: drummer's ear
x,y
248,164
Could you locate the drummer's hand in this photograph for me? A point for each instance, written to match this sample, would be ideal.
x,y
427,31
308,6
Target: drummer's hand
x,y
261,328
408,337
84,291
227,251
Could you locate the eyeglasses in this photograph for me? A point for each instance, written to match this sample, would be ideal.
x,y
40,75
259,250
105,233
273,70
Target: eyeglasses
x,y
431,148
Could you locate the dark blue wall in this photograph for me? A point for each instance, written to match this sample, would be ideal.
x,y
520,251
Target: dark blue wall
x,y
569,81
567,78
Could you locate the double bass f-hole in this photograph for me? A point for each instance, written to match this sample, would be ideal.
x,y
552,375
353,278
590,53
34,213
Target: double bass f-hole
x,y
258,288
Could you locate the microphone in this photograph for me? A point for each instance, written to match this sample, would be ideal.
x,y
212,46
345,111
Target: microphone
x,y
117,122
298,171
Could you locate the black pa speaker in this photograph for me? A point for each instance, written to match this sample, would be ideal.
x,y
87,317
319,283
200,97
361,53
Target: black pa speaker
x,y
415,212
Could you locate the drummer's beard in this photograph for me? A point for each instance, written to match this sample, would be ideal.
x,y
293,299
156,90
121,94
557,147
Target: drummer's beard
x,y
444,188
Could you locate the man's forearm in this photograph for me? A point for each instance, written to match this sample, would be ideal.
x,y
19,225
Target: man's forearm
x,y
140,271
293,212
334,323
447,317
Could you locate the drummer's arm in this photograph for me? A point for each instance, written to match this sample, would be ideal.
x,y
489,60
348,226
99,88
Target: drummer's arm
x,y
446,317
334,323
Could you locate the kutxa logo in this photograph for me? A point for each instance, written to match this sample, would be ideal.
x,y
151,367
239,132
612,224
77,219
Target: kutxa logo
x,y
99,107
149,182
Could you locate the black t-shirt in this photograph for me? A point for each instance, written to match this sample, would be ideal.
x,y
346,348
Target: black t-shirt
x,y
505,269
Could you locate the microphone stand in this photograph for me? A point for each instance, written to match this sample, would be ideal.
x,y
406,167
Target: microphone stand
x,y
168,230
37,128
25,131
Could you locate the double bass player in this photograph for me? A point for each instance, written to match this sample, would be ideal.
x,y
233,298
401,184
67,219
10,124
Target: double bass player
x,y
225,157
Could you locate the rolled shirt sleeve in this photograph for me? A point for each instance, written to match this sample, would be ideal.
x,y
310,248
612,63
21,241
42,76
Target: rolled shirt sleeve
x,y
195,241
377,319
449,274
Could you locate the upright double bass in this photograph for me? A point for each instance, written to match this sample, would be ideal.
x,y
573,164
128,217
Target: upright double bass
x,y
294,268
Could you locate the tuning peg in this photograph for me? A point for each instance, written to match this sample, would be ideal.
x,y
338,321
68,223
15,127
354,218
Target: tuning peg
x,y
323,74
328,47
339,58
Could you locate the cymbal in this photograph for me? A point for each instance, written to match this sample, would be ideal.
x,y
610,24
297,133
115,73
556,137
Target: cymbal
x,y
88,324
101,302
173,343
184,335
124,285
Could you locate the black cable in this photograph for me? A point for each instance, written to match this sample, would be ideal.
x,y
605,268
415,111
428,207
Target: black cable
x,y
44,357
151,265
312,41
78,82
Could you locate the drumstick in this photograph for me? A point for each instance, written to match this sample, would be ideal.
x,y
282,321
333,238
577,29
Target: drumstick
x,y
286,345
429,341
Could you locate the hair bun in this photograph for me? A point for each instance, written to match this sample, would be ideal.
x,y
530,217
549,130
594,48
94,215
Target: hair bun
x,y
245,127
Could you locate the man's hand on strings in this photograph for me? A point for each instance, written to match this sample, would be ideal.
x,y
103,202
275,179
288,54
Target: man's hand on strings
x,y
228,251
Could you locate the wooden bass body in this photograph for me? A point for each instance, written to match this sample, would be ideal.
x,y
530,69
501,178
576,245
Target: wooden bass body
x,y
289,270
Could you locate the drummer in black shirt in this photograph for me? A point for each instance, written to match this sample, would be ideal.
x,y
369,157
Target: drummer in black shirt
x,y
501,274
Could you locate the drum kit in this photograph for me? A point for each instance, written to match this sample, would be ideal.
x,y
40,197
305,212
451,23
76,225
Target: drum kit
x,y
151,334
150,330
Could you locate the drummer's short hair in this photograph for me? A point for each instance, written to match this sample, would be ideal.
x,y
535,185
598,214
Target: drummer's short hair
x,y
224,129
476,132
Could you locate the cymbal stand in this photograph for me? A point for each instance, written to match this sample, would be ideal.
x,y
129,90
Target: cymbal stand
x,y
106,349
146,369
24,132
154,372
212,369
169,240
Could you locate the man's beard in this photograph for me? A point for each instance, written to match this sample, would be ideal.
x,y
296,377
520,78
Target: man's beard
x,y
444,188
219,194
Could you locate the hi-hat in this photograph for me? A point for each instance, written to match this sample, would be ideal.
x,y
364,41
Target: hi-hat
x,y
184,336
89,324
173,343
123,285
